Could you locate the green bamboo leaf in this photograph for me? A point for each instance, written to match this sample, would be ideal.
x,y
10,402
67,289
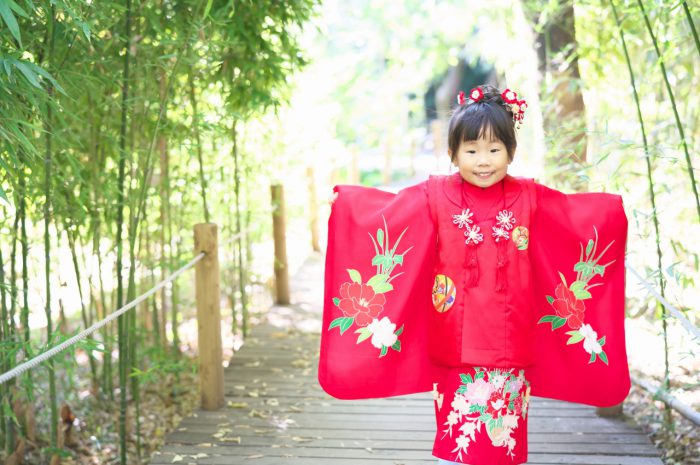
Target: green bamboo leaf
x,y
28,74
207,9
355,276
3,195
589,247
10,21
8,68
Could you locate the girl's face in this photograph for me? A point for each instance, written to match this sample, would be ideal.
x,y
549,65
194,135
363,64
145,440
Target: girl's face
x,y
481,162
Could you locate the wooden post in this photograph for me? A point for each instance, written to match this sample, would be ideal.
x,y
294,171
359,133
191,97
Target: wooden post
x,y
280,239
313,209
207,294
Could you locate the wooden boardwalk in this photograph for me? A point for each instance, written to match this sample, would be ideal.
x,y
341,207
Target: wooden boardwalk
x,y
278,414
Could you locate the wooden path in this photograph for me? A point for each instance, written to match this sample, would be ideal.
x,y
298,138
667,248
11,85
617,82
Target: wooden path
x,y
278,414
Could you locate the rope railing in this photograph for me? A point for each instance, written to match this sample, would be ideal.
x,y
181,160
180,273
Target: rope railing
x,y
29,364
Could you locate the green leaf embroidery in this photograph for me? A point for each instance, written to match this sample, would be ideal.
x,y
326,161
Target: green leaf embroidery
x,y
550,299
364,334
377,280
397,346
343,323
384,351
380,238
603,356
479,375
399,331
589,247
592,357
476,408
557,322
600,269
579,291
378,260
584,268
466,379
398,259
355,276
382,288
575,337
336,301
601,341
563,279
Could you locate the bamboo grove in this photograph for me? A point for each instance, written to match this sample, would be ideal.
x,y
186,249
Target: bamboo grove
x,y
123,123
102,138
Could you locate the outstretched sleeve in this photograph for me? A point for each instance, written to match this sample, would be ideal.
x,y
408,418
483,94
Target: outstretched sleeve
x,y
577,251
378,281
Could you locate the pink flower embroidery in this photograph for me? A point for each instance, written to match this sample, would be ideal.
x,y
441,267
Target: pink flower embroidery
x,y
479,391
360,302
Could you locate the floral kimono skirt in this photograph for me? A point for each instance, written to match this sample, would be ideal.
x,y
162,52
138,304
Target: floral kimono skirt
x,y
481,416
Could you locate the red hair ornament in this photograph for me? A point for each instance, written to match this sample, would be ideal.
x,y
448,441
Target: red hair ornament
x,y
510,99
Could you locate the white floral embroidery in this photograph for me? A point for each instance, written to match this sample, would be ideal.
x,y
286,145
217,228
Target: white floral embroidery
x,y
382,332
473,234
495,394
505,219
500,233
590,339
437,396
463,219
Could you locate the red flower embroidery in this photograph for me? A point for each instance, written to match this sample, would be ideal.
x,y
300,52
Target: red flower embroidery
x,y
497,405
568,306
360,302
518,405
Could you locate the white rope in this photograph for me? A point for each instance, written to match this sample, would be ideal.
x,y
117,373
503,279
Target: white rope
x,y
674,311
21,368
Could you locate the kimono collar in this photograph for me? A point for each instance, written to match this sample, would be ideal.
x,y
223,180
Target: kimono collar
x,y
454,184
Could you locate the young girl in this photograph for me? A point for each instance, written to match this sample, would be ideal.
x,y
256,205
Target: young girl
x,y
503,289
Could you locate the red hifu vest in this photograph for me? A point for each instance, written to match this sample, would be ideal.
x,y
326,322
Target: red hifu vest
x,y
482,326
406,296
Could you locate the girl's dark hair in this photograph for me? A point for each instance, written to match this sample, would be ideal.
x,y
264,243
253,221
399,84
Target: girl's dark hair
x,y
488,117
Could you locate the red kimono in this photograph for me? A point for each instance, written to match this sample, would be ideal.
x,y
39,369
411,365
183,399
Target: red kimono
x,y
482,296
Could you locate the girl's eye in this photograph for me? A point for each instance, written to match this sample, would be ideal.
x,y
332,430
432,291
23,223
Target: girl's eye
x,y
470,151
494,150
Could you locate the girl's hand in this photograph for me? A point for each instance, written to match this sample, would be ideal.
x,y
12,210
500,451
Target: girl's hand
x,y
332,198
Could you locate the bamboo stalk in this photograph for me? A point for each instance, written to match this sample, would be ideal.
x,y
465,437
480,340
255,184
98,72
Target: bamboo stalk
x,y
679,124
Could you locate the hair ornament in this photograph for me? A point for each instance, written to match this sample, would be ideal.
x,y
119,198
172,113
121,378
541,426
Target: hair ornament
x,y
461,100
510,99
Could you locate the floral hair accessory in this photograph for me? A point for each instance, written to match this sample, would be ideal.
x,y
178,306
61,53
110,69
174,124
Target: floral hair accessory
x,y
510,99
460,98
